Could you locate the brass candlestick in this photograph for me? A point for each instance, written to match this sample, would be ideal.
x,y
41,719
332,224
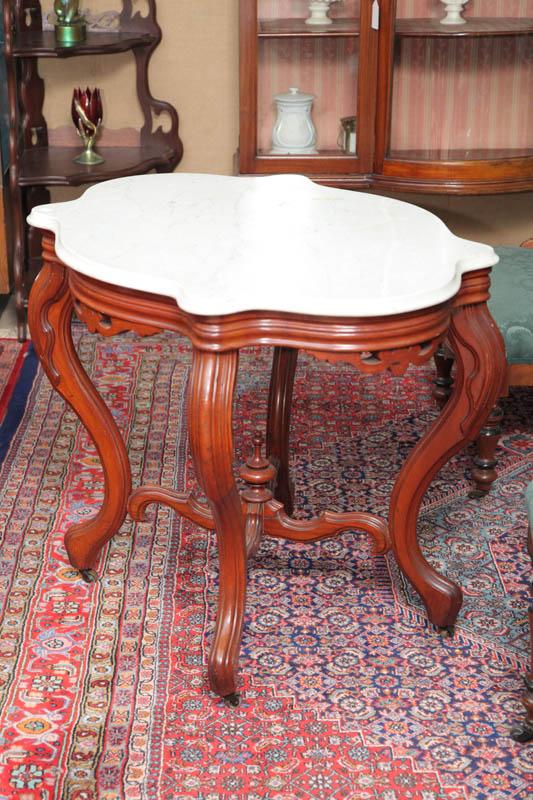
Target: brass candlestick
x,y
70,26
87,114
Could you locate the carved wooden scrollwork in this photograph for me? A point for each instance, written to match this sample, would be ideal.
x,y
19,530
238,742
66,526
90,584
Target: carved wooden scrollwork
x,y
98,322
275,521
395,360
183,502
151,107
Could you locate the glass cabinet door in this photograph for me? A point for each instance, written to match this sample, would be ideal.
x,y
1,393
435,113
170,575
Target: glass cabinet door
x,y
306,58
462,92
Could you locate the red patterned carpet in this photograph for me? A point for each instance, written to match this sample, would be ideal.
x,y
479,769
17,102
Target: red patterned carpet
x,y
347,691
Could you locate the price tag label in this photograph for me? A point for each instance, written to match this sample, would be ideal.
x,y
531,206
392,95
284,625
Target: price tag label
x,y
375,15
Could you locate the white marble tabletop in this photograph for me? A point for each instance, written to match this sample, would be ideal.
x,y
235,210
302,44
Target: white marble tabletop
x,y
220,245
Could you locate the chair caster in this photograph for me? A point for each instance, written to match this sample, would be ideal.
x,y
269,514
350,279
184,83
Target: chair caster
x,y
447,632
521,732
89,575
232,700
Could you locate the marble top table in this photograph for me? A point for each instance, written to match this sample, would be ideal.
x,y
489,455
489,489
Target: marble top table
x,y
279,261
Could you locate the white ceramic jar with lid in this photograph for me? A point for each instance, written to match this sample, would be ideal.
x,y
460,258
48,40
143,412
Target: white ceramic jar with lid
x,y
294,132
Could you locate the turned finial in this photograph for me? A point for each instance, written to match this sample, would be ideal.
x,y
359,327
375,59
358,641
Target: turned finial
x,y
257,473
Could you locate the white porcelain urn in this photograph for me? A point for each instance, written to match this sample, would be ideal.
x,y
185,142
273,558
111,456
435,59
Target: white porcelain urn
x,y
319,12
453,12
294,132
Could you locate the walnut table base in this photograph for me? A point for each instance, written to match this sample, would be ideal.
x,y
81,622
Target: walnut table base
x,y
371,344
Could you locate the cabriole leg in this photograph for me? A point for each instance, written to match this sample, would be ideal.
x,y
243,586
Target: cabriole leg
x,y
50,314
480,365
211,391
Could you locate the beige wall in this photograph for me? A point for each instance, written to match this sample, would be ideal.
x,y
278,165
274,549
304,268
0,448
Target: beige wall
x,y
196,69
495,219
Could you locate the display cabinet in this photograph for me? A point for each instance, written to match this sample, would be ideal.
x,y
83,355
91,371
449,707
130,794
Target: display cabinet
x,y
435,107
35,165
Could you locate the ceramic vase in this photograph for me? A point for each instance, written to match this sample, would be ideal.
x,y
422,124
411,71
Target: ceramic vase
x,y
87,114
319,12
294,132
453,12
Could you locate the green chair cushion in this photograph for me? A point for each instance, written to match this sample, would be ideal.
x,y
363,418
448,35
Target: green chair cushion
x,y
511,302
529,501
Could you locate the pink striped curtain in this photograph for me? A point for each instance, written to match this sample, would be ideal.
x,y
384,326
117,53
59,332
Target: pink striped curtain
x,y
465,95
324,67
468,95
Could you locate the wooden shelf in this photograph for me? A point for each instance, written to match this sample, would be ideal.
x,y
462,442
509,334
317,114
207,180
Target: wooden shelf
x,y
54,166
320,154
489,154
286,28
475,26
42,44
33,169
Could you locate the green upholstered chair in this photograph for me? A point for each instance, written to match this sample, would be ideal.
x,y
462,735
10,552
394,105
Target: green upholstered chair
x,y
511,305
523,732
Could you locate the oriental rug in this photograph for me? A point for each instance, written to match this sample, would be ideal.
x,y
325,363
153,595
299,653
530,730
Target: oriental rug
x,y
347,691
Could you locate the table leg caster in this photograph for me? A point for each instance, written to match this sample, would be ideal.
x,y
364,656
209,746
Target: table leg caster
x,y
477,494
521,733
447,632
89,575
232,700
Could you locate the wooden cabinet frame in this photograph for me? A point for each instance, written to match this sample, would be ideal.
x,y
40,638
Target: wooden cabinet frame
x,y
373,167
334,169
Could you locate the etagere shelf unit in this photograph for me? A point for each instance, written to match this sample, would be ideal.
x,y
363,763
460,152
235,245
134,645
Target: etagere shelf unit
x,y
438,108
34,164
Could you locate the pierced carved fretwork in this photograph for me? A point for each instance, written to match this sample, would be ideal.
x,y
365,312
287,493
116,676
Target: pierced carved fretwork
x,y
98,322
395,360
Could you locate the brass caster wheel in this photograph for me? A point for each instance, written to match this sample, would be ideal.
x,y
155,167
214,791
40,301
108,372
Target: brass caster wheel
x,y
89,575
232,700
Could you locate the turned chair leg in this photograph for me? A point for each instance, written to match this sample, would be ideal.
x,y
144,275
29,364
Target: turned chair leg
x,y
443,381
485,462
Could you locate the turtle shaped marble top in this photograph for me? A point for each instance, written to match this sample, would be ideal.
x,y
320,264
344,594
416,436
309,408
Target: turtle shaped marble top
x,y
221,245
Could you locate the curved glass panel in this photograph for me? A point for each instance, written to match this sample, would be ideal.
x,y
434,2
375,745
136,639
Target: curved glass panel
x,y
464,91
320,60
